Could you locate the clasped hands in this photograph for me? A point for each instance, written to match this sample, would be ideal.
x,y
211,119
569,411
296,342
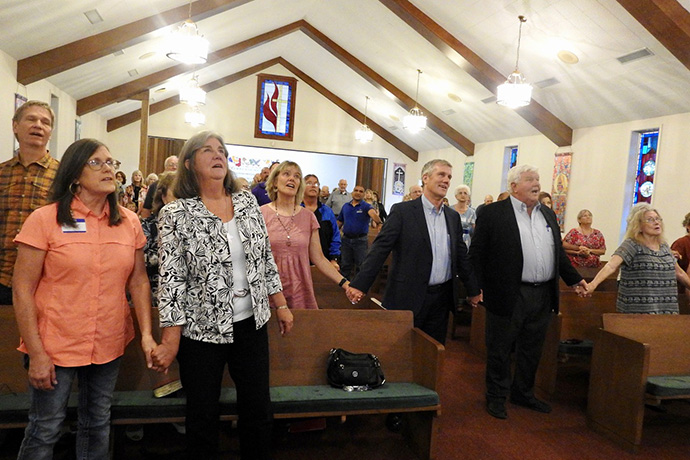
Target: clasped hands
x,y
354,295
583,289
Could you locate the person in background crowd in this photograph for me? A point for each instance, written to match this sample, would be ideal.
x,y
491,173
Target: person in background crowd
x,y
121,181
164,195
488,199
329,232
324,194
133,190
648,271
584,244
681,249
77,258
169,165
294,235
354,221
378,206
25,181
429,257
468,215
415,192
545,200
150,180
517,253
244,184
216,275
369,198
259,190
339,197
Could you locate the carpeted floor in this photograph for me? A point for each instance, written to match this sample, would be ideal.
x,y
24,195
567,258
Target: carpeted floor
x,y
467,431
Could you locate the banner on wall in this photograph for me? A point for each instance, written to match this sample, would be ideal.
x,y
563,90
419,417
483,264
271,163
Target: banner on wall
x,y
561,179
19,101
399,179
468,175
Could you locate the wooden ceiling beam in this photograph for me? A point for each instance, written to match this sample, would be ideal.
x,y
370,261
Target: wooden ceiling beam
x,y
440,127
548,124
125,91
71,55
667,21
131,117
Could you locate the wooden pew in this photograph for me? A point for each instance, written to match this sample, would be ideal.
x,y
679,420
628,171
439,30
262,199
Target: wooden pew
x,y
628,351
412,362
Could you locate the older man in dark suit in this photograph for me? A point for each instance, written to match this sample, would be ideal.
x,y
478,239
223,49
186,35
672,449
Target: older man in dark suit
x,y
518,256
429,257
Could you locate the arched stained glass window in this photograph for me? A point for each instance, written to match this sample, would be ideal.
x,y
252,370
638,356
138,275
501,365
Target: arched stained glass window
x,y
646,167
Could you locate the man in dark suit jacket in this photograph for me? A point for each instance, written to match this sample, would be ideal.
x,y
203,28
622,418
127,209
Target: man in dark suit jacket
x,y
518,257
429,256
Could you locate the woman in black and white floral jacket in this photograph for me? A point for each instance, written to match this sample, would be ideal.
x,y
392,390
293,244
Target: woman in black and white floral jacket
x,y
216,274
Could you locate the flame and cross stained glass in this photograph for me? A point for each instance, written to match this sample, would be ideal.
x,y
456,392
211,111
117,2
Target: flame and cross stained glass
x,y
275,108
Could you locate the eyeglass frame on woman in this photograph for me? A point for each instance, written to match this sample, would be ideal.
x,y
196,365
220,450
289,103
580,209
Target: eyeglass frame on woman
x,y
312,184
651,220
96,165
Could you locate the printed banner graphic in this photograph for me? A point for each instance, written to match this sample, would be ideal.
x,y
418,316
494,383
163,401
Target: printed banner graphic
x,y
561,179
399,179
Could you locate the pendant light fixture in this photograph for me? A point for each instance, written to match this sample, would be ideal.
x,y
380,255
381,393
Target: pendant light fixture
x,y
195,117
186,45
515,92
364,134
415,121
191,94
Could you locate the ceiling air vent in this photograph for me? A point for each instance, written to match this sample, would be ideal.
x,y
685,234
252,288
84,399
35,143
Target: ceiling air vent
x,y
489,100
448,112
546,83
635,55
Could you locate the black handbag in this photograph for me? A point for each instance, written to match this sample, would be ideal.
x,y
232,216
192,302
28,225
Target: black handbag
x,y
354,371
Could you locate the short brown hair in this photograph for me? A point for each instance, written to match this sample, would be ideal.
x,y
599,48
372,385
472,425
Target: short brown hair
x,y
20,111
187,185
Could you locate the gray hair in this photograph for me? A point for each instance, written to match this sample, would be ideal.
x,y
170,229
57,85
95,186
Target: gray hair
x,y
636,219
464,187
430,165
582,213
516,172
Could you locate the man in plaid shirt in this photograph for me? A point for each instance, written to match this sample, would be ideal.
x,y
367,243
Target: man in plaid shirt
x,y
25,182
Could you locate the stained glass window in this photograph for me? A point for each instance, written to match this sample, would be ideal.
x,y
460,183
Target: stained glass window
x,y
646,167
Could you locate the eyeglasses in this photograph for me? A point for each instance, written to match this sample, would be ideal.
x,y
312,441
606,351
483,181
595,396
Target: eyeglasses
x,y
651,220
96,164
311,184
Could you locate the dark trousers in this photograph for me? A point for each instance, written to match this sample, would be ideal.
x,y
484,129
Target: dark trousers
x,y
5,295
201,370
352,254
433,316
525,329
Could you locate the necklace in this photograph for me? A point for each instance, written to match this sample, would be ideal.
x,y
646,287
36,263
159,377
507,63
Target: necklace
x,y
290,225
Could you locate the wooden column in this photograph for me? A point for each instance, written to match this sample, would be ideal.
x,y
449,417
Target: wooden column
x,y
143,131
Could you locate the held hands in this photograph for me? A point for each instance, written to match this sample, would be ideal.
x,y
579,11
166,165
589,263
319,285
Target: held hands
x,y
583,289
474,301
162,357
353,294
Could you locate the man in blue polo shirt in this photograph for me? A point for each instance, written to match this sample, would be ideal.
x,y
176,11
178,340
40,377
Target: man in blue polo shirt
x,y
354,219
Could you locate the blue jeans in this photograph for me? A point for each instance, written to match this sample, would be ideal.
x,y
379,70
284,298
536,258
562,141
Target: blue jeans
x,y
49,408
352,254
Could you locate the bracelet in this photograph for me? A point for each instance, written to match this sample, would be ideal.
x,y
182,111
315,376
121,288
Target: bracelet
x,y
282,307
342,281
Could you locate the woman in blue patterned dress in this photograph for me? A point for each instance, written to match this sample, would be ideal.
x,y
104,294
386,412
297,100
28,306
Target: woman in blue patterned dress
x,y
649,272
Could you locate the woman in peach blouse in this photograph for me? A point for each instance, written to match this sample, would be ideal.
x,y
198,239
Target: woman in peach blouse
x,y
76,258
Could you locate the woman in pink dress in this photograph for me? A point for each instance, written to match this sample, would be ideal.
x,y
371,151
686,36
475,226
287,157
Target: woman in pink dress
x,y
584,244
294,235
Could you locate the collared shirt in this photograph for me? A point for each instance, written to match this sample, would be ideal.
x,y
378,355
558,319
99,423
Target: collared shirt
x,y
440,242
355,219
22,190
81,301
337,200
538,247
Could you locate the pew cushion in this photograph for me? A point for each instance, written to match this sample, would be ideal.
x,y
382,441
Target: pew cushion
x,y
669,385
576,347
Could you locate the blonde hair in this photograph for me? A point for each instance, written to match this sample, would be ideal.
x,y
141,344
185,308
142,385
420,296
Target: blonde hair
x,y
636,220
272,189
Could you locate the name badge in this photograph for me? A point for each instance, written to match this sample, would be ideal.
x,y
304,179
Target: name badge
x,y
80,228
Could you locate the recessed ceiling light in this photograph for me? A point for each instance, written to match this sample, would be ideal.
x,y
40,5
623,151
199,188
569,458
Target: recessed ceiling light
x,y
394,118
568,57
93,16
454,97
147,55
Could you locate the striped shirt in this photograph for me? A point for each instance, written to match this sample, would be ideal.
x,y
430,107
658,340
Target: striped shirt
x,y
22,191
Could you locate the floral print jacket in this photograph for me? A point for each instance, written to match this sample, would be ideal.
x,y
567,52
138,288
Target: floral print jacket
x,y
195,267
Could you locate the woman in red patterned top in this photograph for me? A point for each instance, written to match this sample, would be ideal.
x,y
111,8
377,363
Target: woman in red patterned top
x,y
584,244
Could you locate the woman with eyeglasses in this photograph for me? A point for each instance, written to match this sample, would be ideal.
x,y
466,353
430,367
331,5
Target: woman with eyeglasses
x,y
216,275
648,271
329,233
77,257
